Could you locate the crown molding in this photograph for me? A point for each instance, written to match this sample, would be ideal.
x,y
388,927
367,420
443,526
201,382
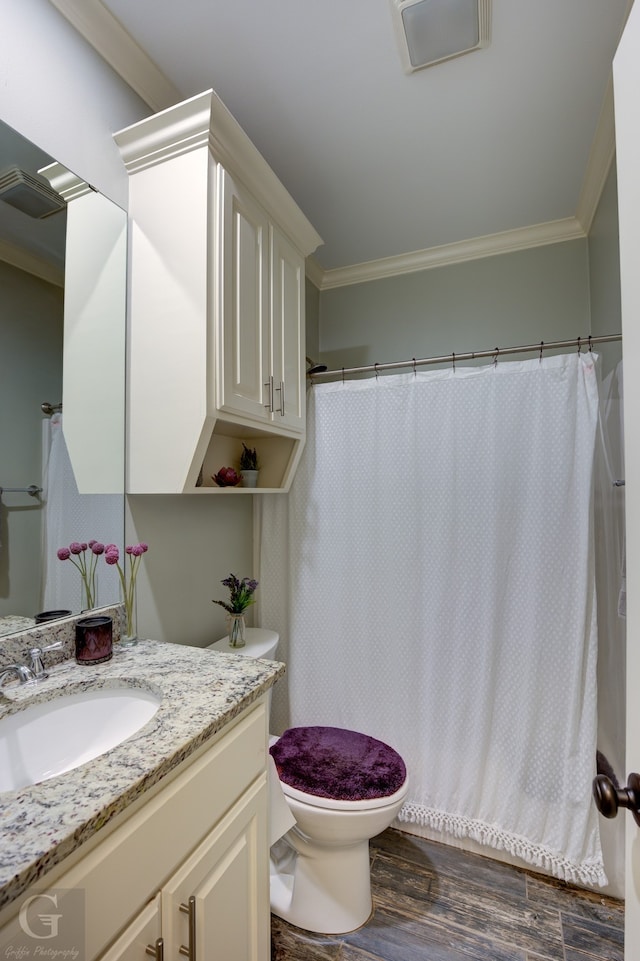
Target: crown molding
x,y
109,38
506,242
31,263
67,184
203,121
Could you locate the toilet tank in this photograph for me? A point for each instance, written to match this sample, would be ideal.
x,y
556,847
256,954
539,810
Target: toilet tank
x,y
259,642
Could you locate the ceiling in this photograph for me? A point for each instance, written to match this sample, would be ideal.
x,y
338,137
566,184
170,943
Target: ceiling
x,y
382,162
392,169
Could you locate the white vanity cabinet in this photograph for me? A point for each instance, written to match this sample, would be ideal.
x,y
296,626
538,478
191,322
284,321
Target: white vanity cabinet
x,y
216,333
184,870
207,909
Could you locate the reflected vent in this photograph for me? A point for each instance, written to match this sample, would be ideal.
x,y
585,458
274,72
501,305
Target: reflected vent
x,y
29,194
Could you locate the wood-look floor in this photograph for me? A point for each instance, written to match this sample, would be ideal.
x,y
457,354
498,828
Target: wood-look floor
x,y
433,902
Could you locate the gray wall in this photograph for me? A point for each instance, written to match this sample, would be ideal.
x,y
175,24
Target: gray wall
x,y
518,298
30,373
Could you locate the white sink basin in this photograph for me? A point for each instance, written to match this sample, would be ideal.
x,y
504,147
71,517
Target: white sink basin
x,y
51,737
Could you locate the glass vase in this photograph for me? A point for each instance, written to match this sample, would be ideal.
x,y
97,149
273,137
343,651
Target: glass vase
x,y
236,630
129,634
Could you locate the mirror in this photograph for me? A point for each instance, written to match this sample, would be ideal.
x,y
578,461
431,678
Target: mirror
x,y
63,325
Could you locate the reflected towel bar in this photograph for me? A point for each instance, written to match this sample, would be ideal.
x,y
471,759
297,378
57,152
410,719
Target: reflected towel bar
x,y
32,490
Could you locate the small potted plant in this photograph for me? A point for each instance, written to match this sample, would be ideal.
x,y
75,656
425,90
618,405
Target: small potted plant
x,y
249,466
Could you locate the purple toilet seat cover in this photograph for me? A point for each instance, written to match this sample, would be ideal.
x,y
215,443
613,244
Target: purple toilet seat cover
x,y
336,763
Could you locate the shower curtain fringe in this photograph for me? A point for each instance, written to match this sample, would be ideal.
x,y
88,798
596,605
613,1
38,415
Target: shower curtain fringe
x,y
580,342
589,871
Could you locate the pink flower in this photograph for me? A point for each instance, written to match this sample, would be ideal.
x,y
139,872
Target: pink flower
x,y
77,548
96,547
64,553
112,557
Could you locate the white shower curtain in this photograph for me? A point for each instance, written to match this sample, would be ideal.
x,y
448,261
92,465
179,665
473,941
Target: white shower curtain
x,y
431,576
71,516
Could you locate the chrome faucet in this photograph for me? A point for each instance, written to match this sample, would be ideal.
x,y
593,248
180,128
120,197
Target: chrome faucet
x,y
20,671
37,664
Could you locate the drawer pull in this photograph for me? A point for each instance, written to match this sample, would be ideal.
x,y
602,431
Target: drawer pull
x,y
269,386
190,909
281,389
156,951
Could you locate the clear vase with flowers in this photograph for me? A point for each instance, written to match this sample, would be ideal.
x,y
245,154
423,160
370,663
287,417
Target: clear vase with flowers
x,y
128,583
240,598
76,552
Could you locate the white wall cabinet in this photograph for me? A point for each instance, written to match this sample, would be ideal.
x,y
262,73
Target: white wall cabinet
x,y
188,867
261,363
95,298
216,338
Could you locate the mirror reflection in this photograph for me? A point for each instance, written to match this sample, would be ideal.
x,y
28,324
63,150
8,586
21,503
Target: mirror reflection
x,y
62,367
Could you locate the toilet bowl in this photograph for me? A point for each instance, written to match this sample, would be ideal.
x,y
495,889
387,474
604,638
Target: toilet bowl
x,y
342,788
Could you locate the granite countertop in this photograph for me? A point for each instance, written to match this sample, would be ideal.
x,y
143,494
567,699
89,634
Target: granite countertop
x,y
15,622
201,692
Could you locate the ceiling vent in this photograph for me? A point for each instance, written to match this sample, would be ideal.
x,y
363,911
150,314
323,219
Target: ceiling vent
x,y
432,31
27,193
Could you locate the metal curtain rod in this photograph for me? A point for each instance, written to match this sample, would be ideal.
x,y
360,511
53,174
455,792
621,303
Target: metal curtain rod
x,y
579,342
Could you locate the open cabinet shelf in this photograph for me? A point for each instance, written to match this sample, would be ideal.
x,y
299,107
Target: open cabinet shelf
x,y
278,458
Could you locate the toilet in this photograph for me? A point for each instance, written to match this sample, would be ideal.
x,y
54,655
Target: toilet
x,y
342,788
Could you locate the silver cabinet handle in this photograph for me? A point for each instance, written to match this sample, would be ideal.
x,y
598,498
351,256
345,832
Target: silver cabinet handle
x,y
156,950
190,909
280,389
269,386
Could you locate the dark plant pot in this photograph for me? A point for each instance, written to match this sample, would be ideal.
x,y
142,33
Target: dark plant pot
x,y
94,640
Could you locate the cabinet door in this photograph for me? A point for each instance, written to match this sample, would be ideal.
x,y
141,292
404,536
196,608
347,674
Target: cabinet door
x,y
217,906
242,326
142,939
287,329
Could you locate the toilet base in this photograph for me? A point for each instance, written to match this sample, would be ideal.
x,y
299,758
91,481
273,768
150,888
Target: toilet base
x,y
323,889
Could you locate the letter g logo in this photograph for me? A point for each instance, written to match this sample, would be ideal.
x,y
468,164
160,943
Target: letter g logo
x,y
49,922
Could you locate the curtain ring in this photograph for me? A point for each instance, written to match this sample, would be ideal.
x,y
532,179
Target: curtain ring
x,y
343,375
453,362
414,368
579,339
375,367
590,345
495,357
541,349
